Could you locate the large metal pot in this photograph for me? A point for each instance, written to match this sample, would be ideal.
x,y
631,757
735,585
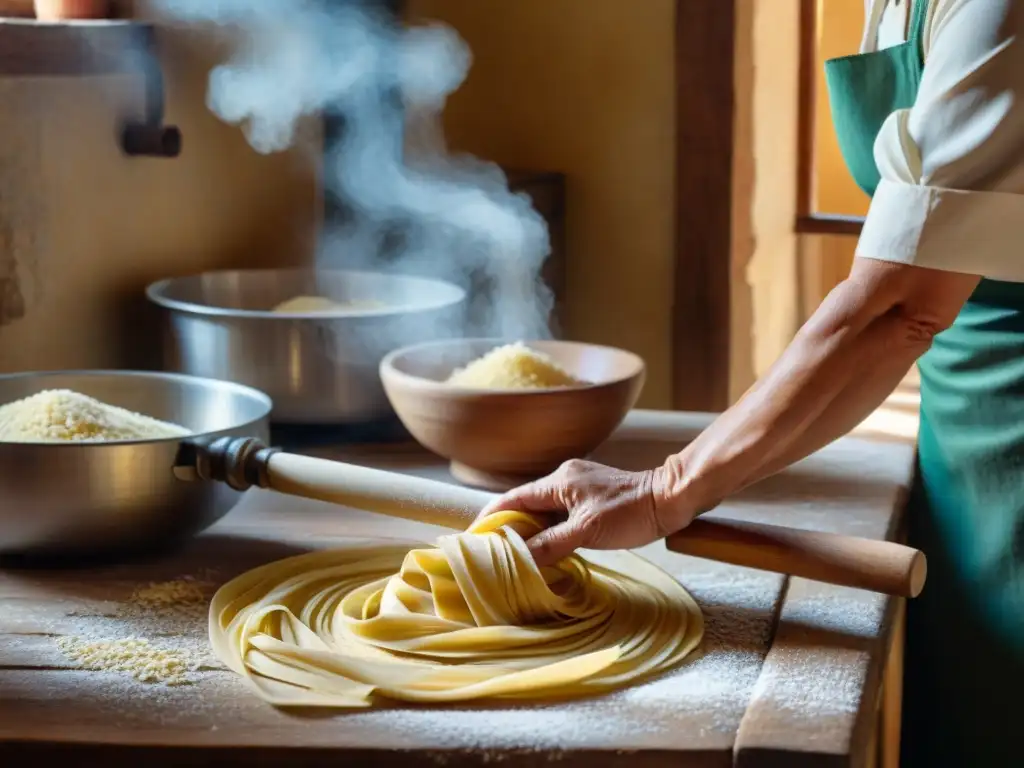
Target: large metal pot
x,y
318,369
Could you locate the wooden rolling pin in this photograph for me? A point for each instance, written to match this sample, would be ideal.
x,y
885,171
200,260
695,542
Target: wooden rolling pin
x,y
878,566
850,561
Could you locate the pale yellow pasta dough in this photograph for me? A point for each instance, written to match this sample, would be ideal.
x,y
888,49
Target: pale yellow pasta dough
x,y
318,305
472,618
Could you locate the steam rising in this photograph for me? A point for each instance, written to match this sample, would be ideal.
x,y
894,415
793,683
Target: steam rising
x,y
414,207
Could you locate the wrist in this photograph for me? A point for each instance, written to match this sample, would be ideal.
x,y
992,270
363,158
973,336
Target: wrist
x,y
677,500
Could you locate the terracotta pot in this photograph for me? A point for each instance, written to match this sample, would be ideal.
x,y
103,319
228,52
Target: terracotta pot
x,y
60,10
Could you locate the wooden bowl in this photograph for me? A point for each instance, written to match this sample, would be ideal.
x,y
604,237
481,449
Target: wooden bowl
x,y
498,439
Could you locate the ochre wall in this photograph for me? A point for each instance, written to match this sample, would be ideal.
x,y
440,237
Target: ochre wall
x,y
91,227
585,87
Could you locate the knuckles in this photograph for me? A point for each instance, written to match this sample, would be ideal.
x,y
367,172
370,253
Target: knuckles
x,y
573,468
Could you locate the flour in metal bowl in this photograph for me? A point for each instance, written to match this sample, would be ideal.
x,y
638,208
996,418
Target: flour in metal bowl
x,y
62,415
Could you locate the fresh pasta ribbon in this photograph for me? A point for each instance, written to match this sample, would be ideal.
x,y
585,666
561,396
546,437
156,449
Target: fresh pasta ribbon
x,y
472,618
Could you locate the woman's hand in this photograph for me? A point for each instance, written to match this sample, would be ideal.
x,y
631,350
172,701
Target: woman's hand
x,y
591,506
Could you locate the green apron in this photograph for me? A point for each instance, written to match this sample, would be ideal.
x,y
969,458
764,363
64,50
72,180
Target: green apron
x,y
964,678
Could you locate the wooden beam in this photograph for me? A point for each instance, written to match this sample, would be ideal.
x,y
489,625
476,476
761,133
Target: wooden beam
x,y
705,45
829,224
18,9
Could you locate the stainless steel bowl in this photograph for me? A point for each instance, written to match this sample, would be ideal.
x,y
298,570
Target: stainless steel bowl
x,y
99,498
318,369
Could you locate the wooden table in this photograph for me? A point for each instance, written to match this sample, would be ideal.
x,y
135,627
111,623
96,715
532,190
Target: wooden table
x,y
791,672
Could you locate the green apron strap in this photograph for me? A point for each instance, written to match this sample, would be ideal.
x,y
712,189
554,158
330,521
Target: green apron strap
x,y
917,24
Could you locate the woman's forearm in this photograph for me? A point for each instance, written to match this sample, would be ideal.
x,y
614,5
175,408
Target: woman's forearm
x,y
797,404
850,407
841,366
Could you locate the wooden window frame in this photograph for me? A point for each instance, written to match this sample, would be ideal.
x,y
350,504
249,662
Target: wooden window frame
x,y
808,220
704,301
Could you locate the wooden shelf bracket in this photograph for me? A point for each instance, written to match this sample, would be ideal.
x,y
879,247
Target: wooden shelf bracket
x,y
81,48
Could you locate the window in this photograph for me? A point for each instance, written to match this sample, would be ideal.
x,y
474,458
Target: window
x,y
829,202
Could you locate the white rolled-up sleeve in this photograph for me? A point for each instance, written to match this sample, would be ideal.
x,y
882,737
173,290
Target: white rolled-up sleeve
x,y
952,166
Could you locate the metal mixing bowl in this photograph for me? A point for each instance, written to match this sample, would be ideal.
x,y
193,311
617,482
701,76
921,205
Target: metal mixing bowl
x,y
97,498
318,369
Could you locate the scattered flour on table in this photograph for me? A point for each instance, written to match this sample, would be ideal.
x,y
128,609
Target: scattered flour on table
x,y
159,635
713,688
132,656
118,697
709,693
812,684
156,641
815,679
184,598
857,613
738,609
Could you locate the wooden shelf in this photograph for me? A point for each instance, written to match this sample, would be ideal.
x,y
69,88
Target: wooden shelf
x,y
32,48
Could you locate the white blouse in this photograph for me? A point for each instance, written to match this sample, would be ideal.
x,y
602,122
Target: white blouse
x,y
952,166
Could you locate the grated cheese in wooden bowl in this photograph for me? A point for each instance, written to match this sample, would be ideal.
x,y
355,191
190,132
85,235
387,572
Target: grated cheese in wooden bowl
x,y
513,366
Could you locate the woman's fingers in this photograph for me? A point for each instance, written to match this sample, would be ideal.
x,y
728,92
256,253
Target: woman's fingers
x,y
538,496
556,543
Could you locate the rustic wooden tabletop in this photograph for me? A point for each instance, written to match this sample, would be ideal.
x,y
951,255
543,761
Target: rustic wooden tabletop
x,y
789,673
